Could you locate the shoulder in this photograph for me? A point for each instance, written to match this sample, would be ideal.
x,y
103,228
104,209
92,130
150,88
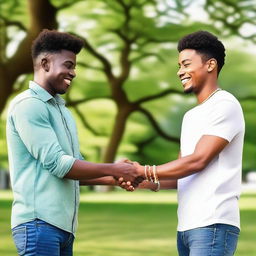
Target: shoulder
x,y
225,102
224,97
225,110
27,103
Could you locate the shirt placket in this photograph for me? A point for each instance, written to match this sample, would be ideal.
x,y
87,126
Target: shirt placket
x,y
73,152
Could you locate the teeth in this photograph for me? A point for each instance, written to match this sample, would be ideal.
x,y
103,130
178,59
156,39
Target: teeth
x,y
67,81
185,80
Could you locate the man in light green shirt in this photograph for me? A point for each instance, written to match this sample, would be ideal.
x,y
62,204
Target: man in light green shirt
x,y
45,163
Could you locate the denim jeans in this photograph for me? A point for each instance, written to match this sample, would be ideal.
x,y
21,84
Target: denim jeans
x,y
38,238
213,240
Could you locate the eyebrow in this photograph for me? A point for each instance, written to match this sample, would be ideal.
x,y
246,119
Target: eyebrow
x,y
182,62
71,62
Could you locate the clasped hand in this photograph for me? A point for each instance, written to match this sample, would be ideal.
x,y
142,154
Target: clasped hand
x,y
126,184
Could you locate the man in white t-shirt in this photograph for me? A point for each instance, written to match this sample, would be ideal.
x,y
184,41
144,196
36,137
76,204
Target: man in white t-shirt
x,y
207,173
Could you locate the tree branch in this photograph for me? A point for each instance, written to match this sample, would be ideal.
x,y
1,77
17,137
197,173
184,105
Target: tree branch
x,y
84,121
250,97
146,55
89,66
156,126
73,103
106,64
13,23
159,95
141,145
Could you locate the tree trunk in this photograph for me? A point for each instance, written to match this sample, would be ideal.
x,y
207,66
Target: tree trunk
x,y
21,62
6,87
116,136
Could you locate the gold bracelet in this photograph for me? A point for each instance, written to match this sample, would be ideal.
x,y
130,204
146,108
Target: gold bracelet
x,y
155,174
145,172
151,177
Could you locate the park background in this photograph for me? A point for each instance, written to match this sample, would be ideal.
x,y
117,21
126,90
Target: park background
x,y
128,102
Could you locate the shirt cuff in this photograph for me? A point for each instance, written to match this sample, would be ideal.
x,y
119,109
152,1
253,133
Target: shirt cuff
x,y
65,164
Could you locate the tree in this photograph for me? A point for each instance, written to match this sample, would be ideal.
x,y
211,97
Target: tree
x,y
20,62
132,34
125,39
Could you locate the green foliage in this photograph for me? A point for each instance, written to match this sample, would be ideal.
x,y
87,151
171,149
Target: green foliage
x,y
15,11
233,17
157,28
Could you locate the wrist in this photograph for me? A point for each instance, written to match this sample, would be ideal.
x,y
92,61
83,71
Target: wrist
x,y
141,172
112,169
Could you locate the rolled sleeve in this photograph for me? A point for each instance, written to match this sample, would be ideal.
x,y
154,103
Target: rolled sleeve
x,y
64,166
31,120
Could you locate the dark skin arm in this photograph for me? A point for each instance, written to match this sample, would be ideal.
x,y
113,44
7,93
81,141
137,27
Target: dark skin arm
x,y
206,149
164,184
83,170
108,180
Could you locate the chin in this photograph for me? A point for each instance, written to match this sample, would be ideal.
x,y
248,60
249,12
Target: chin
x,y
62,91
188,90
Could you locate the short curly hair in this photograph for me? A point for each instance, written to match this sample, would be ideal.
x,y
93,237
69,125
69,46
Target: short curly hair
x,y
52,41
206,44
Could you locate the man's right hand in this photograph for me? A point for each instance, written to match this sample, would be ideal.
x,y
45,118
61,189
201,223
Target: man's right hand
x,y
129,171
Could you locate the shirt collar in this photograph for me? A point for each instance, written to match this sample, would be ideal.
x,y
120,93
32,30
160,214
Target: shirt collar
x,y
44,95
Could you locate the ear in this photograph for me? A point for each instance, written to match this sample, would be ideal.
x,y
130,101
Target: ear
x,y
211,65
45,64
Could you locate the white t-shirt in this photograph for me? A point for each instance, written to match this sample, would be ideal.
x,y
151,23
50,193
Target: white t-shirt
x,y
211,195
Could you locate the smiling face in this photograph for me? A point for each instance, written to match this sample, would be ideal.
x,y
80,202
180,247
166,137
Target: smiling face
x,y
59,71
193,70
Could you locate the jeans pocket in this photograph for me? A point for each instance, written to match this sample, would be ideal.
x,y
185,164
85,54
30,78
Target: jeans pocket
x,y
231,242
19,235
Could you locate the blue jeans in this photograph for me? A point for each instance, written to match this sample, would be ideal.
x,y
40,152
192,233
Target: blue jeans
x,y
38,238
213,240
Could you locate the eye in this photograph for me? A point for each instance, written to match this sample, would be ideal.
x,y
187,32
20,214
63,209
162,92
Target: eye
x,y
68,65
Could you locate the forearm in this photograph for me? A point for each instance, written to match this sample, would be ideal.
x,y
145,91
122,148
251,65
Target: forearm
x,y
164,184
108,180
82,170
180,168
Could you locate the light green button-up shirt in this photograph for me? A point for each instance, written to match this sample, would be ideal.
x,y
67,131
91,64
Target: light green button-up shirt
x,y
42,147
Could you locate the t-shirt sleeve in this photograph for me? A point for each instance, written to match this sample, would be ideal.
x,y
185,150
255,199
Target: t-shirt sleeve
x,y
225,120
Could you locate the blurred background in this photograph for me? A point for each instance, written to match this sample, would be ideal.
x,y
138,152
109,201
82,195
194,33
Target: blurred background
x,y
128,102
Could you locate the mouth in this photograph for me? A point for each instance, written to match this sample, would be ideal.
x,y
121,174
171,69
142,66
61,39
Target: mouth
x,y
185,80
68,81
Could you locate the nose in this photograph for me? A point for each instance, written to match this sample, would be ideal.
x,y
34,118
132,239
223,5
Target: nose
x,y
72,73
180,72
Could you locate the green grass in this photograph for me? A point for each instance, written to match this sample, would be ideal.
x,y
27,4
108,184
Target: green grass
x,y
131,224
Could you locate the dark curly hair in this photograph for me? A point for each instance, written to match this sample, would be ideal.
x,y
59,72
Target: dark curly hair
x,y
55,41
206,44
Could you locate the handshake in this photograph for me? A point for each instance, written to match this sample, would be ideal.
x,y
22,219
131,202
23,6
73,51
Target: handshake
x,y
131,175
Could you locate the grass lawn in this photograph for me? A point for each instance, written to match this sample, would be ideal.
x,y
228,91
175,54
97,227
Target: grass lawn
x,y
131,224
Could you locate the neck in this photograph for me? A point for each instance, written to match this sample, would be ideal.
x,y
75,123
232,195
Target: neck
x,y
210,95
205,92
43,84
